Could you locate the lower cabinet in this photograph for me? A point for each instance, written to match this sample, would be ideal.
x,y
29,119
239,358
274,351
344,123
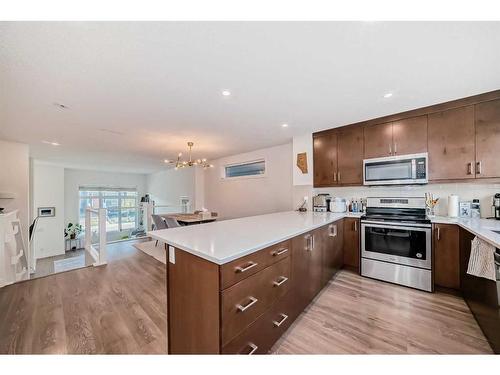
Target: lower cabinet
x,y
244,306
446,256
351,242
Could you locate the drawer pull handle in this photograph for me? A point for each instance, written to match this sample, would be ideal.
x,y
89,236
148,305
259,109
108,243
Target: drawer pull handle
x,y
281,282
252,302
240,269
279,252
283,318
253,348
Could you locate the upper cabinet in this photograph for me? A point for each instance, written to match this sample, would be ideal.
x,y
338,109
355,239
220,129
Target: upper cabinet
x,y
350,156
378,140
409,136
462,138
487,139
402,137
325,159
451,144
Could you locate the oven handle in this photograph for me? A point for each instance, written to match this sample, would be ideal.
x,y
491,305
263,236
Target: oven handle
x,y
391,224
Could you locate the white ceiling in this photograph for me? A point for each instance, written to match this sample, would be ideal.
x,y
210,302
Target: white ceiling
x,y
156,85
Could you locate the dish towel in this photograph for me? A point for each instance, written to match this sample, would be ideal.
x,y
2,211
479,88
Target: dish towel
x,y
482,260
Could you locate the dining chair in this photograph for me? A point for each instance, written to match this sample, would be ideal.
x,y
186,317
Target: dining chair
x,y
171,222
159,223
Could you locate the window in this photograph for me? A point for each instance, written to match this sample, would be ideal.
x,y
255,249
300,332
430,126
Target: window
x,y
253,168
121,204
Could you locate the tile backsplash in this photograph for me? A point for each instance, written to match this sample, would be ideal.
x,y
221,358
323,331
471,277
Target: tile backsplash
x,y
466,192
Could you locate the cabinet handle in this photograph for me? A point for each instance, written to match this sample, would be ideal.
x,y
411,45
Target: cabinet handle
x,y
281,282
308,238
438,233
390,149
252,302
334,177
395,148
355,225
479,168
338,176
279,252
312,242
253,348
283,318
469,168
333,230
240,269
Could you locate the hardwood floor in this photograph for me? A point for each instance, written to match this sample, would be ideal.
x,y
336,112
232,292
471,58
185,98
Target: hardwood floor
x,y
121,308
117,308
356,315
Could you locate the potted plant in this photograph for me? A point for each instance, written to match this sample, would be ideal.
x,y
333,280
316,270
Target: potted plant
x,y
72,230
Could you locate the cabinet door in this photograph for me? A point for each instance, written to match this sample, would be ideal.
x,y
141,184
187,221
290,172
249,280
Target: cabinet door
x,y
410,135
325,159
350,156
306,267
451,144
332,250
487,139
446,256
351,242
378,140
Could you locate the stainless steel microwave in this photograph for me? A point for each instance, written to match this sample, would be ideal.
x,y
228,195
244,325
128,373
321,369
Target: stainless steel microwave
x,y
396,170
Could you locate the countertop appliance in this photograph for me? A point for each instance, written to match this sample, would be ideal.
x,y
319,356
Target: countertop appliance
x,y
496,205
396,170
396,242
338,205
321,202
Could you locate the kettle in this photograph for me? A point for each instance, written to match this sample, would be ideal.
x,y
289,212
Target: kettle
x,y
338,205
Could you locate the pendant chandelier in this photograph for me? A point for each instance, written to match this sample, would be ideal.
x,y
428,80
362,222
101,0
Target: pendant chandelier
x,y
189,163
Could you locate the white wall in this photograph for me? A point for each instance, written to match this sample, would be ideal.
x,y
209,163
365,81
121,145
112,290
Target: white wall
x,y
301,144
168,186
233,198
14,178
74,178
48,191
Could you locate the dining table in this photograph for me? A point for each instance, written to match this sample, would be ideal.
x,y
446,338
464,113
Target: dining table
x,y
190,218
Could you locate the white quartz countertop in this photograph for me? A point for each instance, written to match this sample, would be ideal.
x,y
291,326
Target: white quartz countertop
x,y
223,241
482,228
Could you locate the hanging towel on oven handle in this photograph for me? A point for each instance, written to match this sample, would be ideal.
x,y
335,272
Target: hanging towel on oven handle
x,y
482,259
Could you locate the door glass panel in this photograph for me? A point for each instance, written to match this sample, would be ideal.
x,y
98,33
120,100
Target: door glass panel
x,y
399,242
396,170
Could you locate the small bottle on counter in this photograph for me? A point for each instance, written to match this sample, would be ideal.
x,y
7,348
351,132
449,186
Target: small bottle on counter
x,y
475,209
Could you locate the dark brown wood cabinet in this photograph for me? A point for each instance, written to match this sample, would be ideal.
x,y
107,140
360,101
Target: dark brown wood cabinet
x,y
410,135
451,144
487,116
332,249
378,140
446,256
351,242
350,156
325,159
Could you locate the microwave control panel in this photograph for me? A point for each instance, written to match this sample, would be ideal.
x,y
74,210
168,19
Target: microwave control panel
x,y
421,168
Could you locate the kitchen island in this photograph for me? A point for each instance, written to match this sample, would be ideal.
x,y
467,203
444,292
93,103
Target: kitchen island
x,y
235,286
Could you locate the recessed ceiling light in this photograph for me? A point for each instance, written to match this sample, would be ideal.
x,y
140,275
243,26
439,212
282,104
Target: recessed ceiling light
x,y
52,143
226,93
284,125
388,95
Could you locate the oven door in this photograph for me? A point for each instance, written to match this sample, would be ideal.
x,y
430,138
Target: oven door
x,y
408,244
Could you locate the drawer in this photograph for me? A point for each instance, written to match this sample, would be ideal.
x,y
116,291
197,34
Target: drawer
x,y
244,302
261,335
241,268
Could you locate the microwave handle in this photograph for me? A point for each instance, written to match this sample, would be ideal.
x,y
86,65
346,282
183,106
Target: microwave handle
x,y
414,169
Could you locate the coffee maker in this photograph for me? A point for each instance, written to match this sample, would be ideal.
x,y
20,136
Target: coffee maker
x,y
496,206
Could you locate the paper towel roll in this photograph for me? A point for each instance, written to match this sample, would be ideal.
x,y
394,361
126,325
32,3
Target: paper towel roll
x,y
453,205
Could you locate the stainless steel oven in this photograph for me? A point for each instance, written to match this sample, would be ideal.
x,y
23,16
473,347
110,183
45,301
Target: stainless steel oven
x,y
396,170
396,242
407,244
